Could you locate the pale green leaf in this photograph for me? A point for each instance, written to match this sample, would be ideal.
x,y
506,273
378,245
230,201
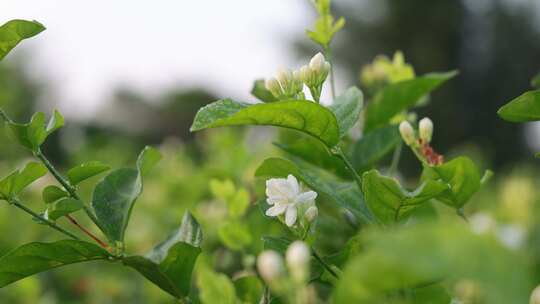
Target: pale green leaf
x,y
523,108
53,193
14,31
85,171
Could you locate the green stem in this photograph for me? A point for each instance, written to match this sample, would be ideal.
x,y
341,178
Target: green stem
x,y
323,263
67,186
47,222
339,153
4,116
395,159
328,55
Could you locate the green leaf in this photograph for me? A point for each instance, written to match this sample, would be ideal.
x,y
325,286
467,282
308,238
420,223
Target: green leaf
x,y
373,146
248,288
278,244
14,183
14,31
461,175
389,202
215,288
347,109
148,159
238,204
535,82
31,135
189,232
395,262
522,109
223,190
305,116
62,207
53,193
113,200
85,171
400,96
33,258
173,273
235,235
345,194
259,90
170,264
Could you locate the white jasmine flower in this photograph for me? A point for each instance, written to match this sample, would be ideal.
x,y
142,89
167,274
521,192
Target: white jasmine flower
x,y
285,196
297,258
270,265
425,129
407,132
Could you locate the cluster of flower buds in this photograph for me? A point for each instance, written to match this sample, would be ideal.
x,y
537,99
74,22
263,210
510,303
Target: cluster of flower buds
x,y
384,71
289,84
420,143
272,269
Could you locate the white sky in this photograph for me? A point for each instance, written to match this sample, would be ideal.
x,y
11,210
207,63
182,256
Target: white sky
x,y
91,47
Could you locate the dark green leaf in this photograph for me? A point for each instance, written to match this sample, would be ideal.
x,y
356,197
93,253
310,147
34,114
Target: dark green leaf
x,y
173,273
278,244
148,158
522,109
301,115
53,193
18,180
374,146
85,171
400,96
345,194
389,202
259,90
14,31
37,257
189,232
62,207
113,200
463,177
347,109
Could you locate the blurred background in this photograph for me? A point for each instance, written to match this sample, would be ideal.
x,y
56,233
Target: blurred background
x,y
126,74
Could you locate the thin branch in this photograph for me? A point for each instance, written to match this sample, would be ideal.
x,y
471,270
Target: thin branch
x,y
339,153
45,221
323,263
395,159
92,236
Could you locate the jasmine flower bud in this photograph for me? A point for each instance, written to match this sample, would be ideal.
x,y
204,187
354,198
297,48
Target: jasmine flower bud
x,y
270,265
273,86
407,132
297,258
425,129
311,213
317,63
535,296
306,75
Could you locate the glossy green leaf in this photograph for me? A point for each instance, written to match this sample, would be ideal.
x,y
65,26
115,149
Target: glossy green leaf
x,y
33,258
215,288
113,200
62,207
148,159
14,31
53,193
373,146
85,171
235,235
14,183
389,202
522,109
396,262
400,96
173,273
314,152
248,288
347,109
345,194
461,175
33,134
189,232
305,116
259,90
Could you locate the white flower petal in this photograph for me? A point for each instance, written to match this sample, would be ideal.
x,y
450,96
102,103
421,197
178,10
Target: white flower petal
x,y
276,210
293,183
276,200
290,215
306,197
